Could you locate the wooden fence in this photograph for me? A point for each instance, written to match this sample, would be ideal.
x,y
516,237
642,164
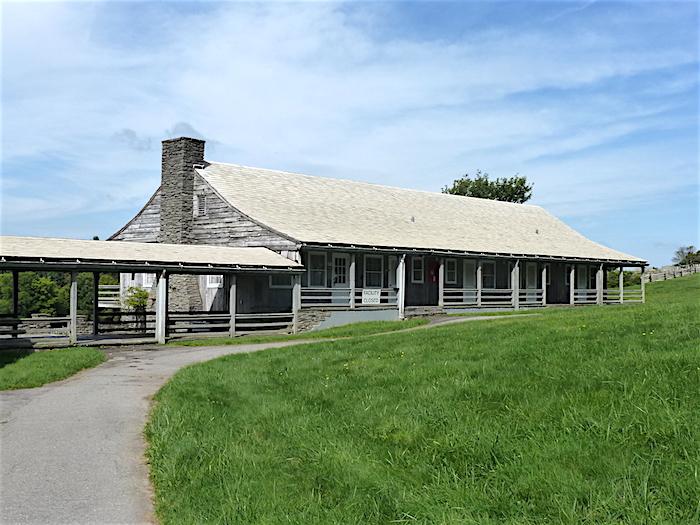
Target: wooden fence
x,y
670,272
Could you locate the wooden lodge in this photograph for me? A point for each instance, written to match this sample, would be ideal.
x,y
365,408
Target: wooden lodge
x,y
368,251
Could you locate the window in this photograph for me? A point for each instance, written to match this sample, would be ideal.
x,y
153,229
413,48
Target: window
x,y
317,270
148,280
391,274
451,271
200,205
417,270
215,281
488,274
340,271
549,273
280,280
567,275
374,271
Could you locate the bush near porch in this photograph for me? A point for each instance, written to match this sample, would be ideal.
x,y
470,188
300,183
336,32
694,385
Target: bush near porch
x,y
581,415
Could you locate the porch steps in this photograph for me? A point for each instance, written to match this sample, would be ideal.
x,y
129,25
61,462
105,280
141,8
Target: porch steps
x,y
420,311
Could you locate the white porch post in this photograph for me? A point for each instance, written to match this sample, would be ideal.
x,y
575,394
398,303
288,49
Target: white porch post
x,y
641,280
441,283
232,305
401,282
544,285
479,284
599,285
515,284
73,307
351,281
161,307
572,284
296,301
622,285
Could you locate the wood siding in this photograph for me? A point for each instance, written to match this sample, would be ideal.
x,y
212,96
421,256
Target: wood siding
x,y
145,226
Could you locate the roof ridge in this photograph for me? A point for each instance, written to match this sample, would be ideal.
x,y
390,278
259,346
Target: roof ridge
x,y
374,184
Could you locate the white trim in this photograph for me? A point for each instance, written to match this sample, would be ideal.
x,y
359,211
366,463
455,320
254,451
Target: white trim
x,y
346,258
364,270
281,286
325,270
413,269
447,271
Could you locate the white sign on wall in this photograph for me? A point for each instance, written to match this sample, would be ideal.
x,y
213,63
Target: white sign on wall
x,y
371,295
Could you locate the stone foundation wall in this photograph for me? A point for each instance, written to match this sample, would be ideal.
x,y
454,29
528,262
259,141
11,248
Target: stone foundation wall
x,y
184,294
309,319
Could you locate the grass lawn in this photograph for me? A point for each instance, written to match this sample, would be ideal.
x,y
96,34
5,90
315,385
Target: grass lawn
x,y
350,330
27,370
585,415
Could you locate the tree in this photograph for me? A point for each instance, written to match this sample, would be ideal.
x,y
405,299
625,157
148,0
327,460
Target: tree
x,y
508,189
686,255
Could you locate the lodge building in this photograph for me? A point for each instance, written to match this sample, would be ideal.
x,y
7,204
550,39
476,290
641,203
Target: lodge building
x,y
368,251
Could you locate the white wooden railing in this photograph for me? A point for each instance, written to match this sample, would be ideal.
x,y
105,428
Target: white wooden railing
x,y
490,297
340,297
109,296
530,297
181,324
585,296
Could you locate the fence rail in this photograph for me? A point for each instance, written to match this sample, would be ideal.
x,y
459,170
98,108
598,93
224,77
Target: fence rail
x,y
530,297
340,297
116,321
585,296
182,324
109,296
34,327
671,272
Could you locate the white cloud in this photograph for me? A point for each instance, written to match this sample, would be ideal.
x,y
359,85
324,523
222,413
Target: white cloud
x,y
317,87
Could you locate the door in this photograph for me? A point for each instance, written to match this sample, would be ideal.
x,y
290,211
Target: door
x,y
531,281
340,278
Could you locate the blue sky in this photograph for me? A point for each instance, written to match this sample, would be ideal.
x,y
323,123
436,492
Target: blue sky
x,y
595,102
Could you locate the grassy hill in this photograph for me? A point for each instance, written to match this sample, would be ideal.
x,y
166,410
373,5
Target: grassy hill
x,y
579,415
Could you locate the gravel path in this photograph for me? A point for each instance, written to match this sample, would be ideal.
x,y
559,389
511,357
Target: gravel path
x,y
73,451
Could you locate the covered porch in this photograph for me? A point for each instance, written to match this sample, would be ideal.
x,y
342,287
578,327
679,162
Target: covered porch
x,y
241,269
349,278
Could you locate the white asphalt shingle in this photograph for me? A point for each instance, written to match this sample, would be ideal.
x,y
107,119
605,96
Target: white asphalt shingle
x,y
321,210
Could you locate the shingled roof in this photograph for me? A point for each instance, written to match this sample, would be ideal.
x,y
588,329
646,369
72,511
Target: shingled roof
x,y
316,210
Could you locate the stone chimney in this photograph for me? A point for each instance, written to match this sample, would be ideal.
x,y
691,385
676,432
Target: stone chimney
x,y
176,213
177,181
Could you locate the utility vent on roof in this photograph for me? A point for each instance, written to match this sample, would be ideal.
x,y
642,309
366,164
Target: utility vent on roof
x,y
200,208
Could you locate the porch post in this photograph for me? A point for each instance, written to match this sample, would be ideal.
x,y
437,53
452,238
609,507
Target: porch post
x,y
73,307
479,284
641,280
95,302
622,285
232,305
162,307
599,285
351,281
572,284
15,293
296,301
515,284
544,285
441,283
401,296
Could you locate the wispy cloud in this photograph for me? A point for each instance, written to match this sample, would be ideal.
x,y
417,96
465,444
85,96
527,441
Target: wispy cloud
x,y
583,105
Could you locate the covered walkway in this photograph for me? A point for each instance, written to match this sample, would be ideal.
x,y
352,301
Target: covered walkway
x,y
19,254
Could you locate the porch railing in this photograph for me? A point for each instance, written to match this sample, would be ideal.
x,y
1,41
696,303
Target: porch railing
x,y
182,324
34,327
387,297
116,321
585,296
530,297
629,295
109,296
490,297
340,297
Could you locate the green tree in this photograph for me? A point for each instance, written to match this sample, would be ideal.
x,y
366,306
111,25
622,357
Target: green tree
x,y
508,189
686,255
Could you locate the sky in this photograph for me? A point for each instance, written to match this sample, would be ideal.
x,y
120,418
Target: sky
x,y
596,103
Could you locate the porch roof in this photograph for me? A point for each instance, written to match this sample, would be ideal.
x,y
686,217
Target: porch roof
x,y
315,210
19,252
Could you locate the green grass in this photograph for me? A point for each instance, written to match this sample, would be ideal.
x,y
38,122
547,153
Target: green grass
x,y
27,370
350,330
586,415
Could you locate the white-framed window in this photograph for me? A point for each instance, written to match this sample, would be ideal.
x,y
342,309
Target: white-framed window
x,y
417,270
281,280
393,263
215,281
317,272
488,274
451,271
147,280
200,205
374,271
